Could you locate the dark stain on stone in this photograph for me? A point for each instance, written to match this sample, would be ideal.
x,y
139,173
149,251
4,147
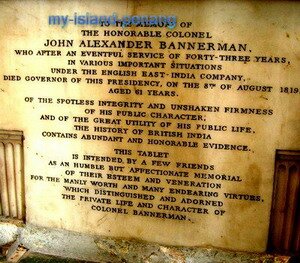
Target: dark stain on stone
x,y
263,97
254,175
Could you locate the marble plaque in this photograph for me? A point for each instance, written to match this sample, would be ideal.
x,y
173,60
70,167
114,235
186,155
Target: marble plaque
x,y
155,120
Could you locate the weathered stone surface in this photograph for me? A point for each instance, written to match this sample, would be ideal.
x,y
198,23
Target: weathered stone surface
x,y
60,243
8,233
134,251
63,244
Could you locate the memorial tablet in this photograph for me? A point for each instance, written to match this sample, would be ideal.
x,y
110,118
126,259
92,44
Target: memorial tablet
x,y
152,120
